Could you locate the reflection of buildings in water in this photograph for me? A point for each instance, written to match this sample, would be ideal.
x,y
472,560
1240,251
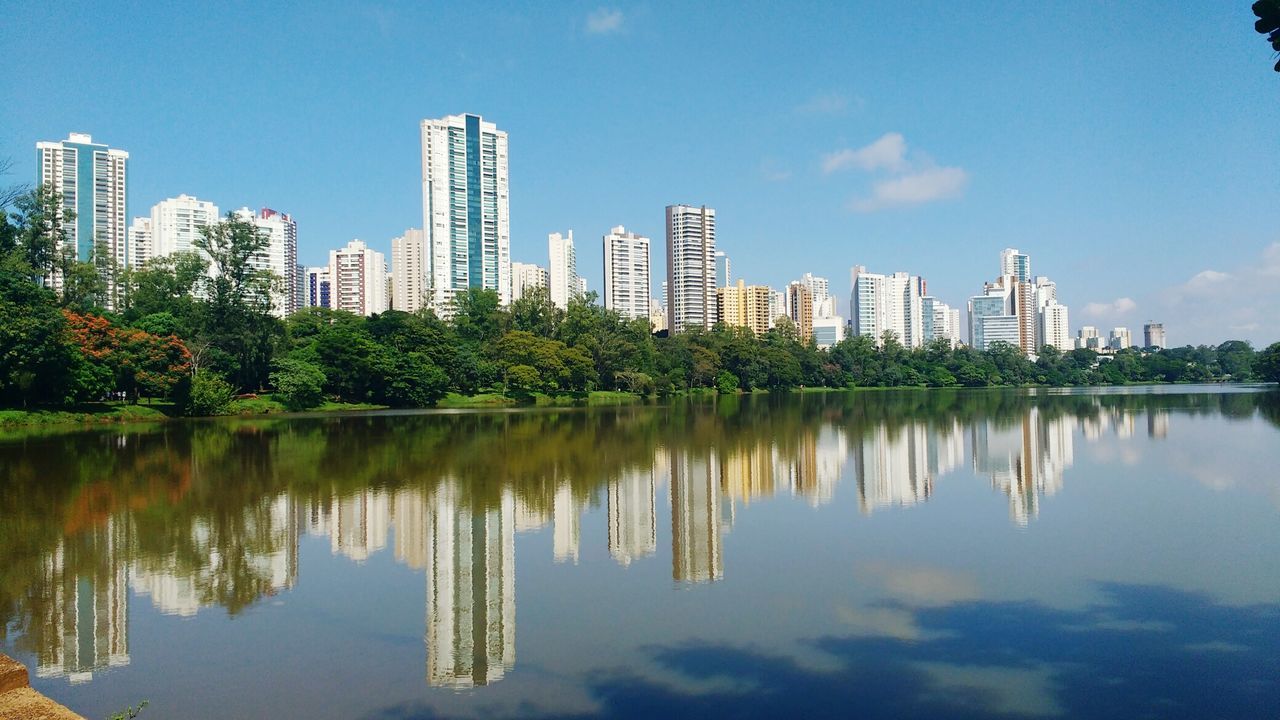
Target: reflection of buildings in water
x,y
471,604
1025,459
892,466
528,518
632,515
356,524
695,518
259,557
748,473
815,470
83,625
1157,424
1125,423
566,516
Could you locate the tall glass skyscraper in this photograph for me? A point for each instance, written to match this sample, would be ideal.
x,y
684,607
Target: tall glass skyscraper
x,y
92,179
465,208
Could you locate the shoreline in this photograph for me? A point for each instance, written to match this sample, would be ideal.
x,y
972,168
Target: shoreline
x,y
104,414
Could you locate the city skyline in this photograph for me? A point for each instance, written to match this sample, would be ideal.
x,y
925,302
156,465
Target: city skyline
x,y
1104,196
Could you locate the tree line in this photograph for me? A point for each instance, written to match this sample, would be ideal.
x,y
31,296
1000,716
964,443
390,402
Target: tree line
x,y
196,329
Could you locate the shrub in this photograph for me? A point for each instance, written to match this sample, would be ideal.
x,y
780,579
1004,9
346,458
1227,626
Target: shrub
x,y
299,384
209,395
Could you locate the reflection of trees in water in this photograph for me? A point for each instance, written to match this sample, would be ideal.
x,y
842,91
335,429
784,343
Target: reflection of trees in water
x,y
208,513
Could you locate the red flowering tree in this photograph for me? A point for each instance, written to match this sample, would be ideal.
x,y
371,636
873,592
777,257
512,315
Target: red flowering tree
x,y
141,364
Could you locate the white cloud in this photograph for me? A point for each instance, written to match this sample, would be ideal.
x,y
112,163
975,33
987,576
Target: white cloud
x,y
832,103
1119,306
602,21
889,152
914,189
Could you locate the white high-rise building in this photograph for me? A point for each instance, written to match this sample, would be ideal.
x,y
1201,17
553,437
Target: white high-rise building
x,y
881,303
563,269
1120,339
358,279
141,248
1153,335
279,257
1016,264
824,303
465,208
691,267
941,321
409,271
626,273
93,181
526,277
176,223
1054,327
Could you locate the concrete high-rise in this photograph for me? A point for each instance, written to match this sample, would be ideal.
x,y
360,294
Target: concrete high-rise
x,y
691,268
409,279
1153,335
526,277
176,224
887,303
800,309
1120,339
626,273
465,208
279,257
318,285
824,303
746,306
358,279
562,269
141,247
93,181
1016,264
940,320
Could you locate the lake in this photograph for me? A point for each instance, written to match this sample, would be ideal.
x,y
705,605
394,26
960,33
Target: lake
x,y
1110,553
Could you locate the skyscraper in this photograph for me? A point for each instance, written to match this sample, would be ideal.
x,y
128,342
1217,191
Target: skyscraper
x,y
176,223
465,208
93,181
409,271
626,273
800,309
746,306
881,303
824,303
319,287
691,267
526,277
1120,339
563,269
1016,264
358,279
1153,335
940,320
140,244
279,257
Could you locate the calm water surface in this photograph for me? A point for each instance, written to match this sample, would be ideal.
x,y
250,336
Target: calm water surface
x,y
895,554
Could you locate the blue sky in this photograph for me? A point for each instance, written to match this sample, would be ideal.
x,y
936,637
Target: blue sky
x,y
1131,149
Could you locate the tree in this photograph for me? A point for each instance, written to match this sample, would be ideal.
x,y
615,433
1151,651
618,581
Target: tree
x,y
38,363
1268,23
1267,365
726,383
299,384
209,395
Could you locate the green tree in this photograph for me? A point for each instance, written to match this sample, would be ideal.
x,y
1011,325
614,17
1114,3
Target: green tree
x,y
726,383
1267,365
209,394
299,384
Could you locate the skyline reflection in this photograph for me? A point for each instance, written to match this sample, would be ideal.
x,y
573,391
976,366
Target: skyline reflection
x,y
451,509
